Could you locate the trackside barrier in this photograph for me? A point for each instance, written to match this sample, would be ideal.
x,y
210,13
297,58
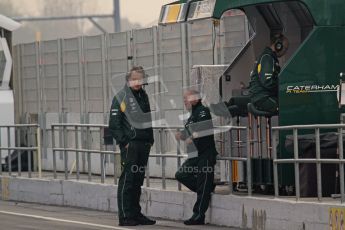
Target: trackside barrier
x,y
32,134
162,131
296,160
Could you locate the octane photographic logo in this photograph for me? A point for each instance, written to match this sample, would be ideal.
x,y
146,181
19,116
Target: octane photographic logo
x,y
311,89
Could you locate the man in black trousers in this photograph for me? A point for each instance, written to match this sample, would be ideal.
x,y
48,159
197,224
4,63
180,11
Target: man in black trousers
x,y
197,172
131,125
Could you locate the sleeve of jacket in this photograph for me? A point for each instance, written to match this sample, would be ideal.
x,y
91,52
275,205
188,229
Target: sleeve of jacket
x,y
267,74
151,140
115,123
150,130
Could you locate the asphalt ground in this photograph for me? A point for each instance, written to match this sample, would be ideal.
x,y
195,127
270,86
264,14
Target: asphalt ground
x,y
29,216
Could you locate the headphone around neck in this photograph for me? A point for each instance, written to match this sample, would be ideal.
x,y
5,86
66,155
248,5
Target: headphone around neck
x,y
279,46
278,42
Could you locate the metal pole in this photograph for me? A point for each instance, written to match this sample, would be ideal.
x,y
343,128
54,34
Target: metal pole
x,y
185,79
239,152
134,46
102,156
155,61
29,152
270,136
104,78
250,135
76,152
188,37
54,152
268,139
60,73
86,84
160,86
43,127
65,152
249,170
259,134
178,159
295,144
19,153
117,16
129,40
88,154
9,157
230,161
63,91
39,78
39,152
341,165
318,165
163,159
230,176
81,96
275,165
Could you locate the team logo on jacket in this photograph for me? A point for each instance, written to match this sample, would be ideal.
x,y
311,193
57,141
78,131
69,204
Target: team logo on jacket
x,y
123,106
259,68
202,114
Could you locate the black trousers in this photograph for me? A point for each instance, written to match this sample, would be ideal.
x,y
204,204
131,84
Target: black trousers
x,y
133,162
197,174
268,104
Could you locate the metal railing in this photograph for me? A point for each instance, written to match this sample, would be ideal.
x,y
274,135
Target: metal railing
x,y
230,159
296,160
162,131
31,138
77,146
78,149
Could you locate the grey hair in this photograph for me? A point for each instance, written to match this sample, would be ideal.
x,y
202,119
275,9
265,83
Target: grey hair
x,y
138,69
194,92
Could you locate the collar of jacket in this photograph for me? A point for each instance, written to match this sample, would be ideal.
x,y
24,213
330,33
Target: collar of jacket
x,y
271,52
195,107
135,93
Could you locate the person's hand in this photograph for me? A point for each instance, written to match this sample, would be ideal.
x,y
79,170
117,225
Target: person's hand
x,y
178,136
189,141
195,135
127,146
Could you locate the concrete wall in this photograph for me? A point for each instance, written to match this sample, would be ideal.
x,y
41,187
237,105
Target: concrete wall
x,y
74,79
227,210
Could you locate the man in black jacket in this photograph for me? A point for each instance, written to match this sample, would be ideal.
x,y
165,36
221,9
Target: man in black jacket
x,y
197,172
263,88
131,125
264,77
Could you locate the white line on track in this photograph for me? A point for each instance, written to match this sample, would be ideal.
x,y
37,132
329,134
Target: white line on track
x,y
64,221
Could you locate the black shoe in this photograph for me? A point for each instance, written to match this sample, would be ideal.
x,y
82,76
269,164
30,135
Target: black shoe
x,y
143,220
195,221
128,222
